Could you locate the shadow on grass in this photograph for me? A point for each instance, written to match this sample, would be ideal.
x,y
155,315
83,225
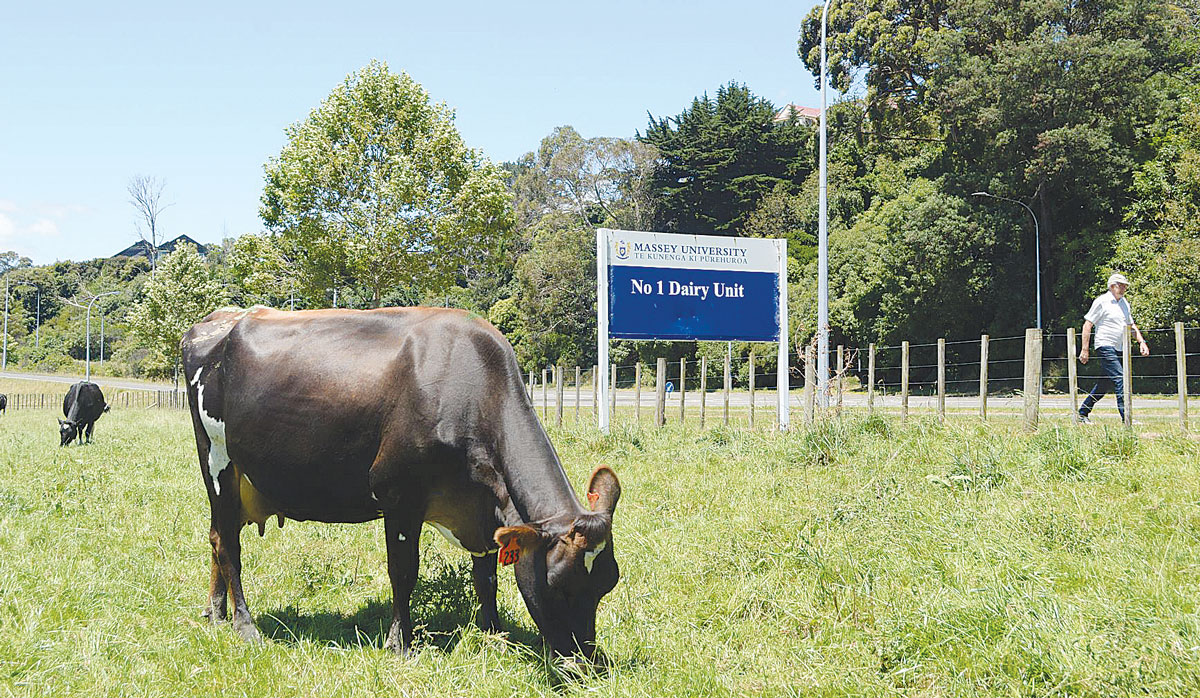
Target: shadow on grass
x,y
443,605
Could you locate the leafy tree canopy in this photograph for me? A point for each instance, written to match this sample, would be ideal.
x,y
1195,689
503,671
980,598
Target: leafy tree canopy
x,y
179,295
719,157
376,188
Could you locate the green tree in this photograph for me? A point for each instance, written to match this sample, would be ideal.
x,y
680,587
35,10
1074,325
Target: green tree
x,y
556,294
1160,244
720,157
182,292
1048,102
376,187
597,180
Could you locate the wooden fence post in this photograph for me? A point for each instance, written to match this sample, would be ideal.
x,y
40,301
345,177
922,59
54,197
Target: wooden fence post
x,y
1033,377
531,398
751,388
612,394
703,387
728,387
983,376
871,378
637,393
1072,373
660,392
558,395
1127,369
578,377
904,379
545,397
841,374
941,378
810,384
682,388
1181,376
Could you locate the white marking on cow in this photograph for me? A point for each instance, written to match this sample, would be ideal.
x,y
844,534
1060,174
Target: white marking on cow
x,y
400,537
449,535
589,556
218,456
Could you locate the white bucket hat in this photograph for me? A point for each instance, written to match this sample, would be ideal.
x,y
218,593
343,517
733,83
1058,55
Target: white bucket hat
x,y
1117,278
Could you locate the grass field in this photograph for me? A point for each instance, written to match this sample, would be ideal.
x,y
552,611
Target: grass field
x,y
856,557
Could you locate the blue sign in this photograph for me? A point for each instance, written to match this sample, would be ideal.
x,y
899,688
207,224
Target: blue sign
x,y
688,287
706,304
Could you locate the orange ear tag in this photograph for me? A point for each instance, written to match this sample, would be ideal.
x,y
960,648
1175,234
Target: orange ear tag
x,y
510,553
593,497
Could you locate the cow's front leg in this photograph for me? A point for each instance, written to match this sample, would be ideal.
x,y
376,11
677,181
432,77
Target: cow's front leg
x,y
483,573
90,427
403,554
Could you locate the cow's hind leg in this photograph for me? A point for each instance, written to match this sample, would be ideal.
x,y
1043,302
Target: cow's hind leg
x,y
227,552
403,552
483,573
218,589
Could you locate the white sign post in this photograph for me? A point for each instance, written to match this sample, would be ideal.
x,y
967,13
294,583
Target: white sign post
x,y
690,287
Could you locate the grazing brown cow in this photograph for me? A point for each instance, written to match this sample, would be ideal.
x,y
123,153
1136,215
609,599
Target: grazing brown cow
x,y
410,414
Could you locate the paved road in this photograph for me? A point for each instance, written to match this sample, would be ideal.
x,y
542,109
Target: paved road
x,y
102,381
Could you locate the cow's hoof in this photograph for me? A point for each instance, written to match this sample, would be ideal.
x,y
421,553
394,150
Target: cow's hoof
x,y
399,648
249,633
214,615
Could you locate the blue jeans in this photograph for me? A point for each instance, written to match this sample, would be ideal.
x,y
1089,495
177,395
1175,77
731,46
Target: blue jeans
x,y
1110,363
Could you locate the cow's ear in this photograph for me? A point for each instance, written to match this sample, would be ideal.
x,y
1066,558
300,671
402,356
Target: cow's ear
x,y
61,423
524,536
603,489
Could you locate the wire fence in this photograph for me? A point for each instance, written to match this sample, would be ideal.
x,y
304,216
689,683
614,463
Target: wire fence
x,y
960,364
124,398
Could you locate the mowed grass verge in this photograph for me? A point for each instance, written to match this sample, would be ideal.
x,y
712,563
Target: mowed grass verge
x,y
856,557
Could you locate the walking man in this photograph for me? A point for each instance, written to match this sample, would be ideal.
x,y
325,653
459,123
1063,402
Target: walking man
x,y
1110,315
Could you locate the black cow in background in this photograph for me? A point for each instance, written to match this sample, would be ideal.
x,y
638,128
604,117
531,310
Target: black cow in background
x,y
3,402
82,406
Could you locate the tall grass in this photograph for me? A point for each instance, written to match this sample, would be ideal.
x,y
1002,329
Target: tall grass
x,y
855,557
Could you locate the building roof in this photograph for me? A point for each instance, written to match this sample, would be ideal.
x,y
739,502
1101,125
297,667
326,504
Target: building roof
x,y
141,248
807,114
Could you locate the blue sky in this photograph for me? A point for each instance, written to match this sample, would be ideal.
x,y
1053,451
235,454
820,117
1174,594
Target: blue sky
x,y
199,95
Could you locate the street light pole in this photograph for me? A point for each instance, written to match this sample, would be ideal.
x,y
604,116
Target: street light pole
x,y
822,244
4,361
87,340
1037,244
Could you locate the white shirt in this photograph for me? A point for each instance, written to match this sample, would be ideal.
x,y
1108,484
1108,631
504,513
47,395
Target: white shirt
x,y
1110,317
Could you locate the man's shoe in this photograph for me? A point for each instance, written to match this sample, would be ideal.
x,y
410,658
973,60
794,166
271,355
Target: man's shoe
x,y
1083,419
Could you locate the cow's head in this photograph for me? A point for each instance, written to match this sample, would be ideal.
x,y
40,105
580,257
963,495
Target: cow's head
x,y
67,431
566,566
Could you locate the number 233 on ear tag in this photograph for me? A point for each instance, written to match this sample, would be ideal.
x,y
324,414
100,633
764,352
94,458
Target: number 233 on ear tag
x,y
510,553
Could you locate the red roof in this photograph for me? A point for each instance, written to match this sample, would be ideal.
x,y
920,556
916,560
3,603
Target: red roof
x,y
803,113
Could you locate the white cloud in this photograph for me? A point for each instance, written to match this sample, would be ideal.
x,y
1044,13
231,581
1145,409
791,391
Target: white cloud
x,y
60,211
7,227
43,228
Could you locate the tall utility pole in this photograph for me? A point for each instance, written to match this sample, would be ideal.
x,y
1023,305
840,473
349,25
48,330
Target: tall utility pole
x,y
4,360
823,244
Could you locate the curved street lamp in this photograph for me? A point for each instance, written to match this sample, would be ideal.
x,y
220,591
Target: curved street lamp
x,y
1037,248
88,336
